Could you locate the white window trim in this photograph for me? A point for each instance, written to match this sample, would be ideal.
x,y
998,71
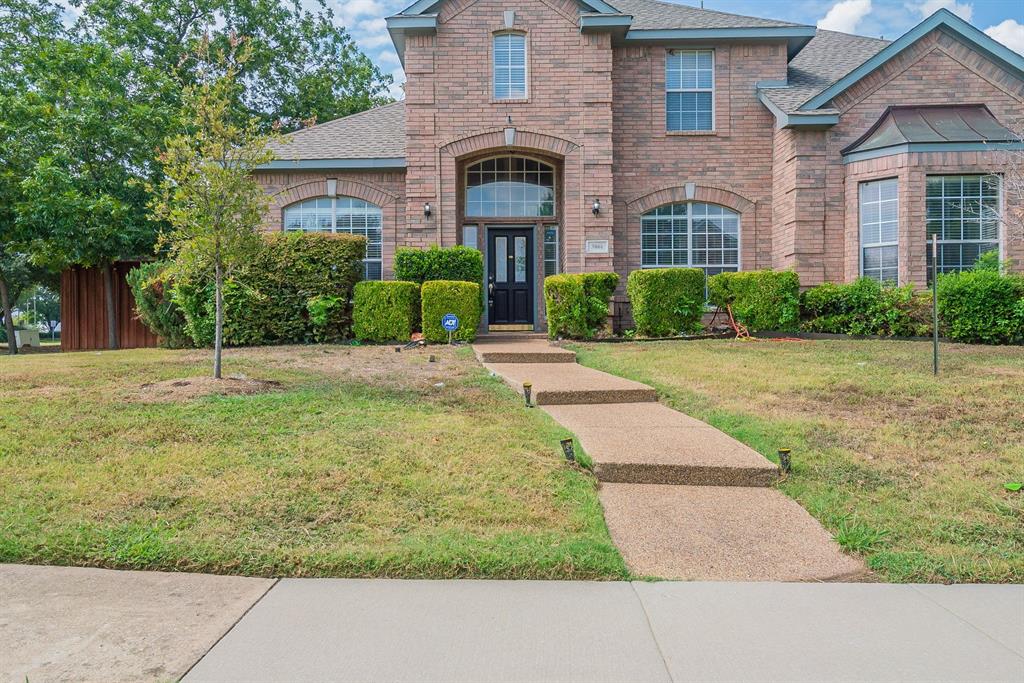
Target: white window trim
x,y
526,66
714,108
334,224
689,235
544,243
1000,238
860,226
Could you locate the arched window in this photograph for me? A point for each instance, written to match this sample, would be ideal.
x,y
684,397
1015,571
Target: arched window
x,y
510,186
509,55
691,234
341,214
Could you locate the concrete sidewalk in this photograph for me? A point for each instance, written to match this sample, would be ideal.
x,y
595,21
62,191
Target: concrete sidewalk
x,y
386,630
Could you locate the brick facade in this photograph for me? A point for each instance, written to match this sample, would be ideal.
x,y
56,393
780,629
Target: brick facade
x,y
596,111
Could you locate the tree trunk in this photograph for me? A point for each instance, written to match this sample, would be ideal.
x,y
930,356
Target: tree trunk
x,y
5,302
108,287
218,338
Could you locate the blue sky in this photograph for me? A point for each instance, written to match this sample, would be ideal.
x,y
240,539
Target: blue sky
x,y
1002,19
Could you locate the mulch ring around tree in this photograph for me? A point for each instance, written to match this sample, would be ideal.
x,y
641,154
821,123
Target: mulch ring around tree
x,y
188,388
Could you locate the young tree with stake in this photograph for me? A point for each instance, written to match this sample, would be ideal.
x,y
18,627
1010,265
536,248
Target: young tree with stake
x,y
210,197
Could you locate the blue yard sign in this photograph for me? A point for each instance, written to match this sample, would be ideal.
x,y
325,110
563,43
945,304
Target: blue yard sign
x,y
450,322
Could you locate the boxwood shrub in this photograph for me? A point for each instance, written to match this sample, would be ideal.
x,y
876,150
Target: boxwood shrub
x,y
982,306
439,297
866,307
385,311
437,263
760,299
577,303
270,300
151,285
666,301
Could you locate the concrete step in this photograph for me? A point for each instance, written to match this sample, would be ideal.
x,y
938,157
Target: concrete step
x,y
721,533
522,351
653,444
569,383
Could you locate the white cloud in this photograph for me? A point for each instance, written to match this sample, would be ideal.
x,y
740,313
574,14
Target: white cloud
x,y
371,33
350,11
397,91
845,15
964,10
387,57
1010,33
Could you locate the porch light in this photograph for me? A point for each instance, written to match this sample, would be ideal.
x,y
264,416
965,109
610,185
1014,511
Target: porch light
x,y
784,459
426,209
596,208
568,450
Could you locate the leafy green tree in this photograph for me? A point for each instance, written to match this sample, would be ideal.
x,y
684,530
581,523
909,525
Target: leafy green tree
x,y
210,197
302,65
101,115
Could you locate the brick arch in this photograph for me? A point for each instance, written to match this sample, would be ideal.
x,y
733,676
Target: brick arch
x,y
494,139
677,194
311,189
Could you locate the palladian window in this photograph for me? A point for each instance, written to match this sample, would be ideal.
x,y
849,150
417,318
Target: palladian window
x,y
510,187
693,235
341,214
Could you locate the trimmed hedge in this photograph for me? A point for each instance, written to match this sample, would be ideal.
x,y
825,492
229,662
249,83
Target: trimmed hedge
x,y
449,263
439,297
386,311
866,307
297,288
151,285
577,303
666,301
760,299
982,306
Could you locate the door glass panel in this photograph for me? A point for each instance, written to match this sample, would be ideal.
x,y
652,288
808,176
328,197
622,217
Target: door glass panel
x,y
501,259
520,259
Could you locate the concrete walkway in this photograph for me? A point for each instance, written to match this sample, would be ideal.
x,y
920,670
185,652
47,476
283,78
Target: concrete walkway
x,y
682,500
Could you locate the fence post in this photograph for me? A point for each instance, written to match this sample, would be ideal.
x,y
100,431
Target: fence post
x,y
935,304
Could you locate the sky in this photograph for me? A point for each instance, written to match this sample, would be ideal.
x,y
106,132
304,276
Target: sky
x,y
1001,19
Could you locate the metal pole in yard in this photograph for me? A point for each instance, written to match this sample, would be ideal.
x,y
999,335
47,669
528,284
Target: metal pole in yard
x,y
935,304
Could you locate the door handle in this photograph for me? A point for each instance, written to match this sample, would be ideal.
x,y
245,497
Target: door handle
x,y
490,288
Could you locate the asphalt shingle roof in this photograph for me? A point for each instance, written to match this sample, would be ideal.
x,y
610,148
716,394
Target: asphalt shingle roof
x,y
654,14
828,57
377,132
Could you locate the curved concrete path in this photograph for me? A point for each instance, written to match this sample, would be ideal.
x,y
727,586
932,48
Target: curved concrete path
x,y
682,500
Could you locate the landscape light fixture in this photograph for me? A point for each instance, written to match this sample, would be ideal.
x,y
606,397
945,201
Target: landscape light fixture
x,y
568,450
527,391
596,208
784,459
426,209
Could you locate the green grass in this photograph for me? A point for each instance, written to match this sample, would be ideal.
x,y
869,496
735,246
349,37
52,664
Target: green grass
x,y
357,465
904,468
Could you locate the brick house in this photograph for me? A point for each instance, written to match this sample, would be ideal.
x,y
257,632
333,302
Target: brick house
x,y
573,135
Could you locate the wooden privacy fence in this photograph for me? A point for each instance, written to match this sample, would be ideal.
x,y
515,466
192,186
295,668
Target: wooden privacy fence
x,y
83,312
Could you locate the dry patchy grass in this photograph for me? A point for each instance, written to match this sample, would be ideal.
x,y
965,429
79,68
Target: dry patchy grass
x,y
903,467
354,464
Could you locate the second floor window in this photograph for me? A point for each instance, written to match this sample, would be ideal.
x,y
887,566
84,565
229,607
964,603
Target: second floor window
x,y
509,66
690,90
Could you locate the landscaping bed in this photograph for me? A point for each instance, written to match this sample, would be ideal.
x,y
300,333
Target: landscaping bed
x,y
904,468
327,461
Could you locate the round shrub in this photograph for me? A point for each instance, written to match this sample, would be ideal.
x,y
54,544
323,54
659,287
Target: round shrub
x,y
760,299
666,301
439,297
577,303
386,311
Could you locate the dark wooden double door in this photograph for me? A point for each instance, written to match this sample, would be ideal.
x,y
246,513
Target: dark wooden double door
x,y
510,276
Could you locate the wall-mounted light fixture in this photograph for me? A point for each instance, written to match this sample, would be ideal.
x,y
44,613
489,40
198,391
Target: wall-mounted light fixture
x,y
426,209
596,208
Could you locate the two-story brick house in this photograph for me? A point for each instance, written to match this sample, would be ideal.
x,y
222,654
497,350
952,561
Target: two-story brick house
x,y
574,135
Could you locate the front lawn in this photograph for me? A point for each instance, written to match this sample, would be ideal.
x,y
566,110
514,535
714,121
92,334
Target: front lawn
x,y
907,469
355,464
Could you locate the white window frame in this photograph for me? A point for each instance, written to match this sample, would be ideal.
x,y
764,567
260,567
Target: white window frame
x,y
861,202
1000,233
494,66
711,90
379,260
555,261
689,239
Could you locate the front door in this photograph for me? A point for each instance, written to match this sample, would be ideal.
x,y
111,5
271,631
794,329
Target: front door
x,y
510,278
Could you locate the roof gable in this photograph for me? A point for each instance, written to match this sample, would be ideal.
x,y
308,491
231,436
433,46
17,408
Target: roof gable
x,y
942,18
